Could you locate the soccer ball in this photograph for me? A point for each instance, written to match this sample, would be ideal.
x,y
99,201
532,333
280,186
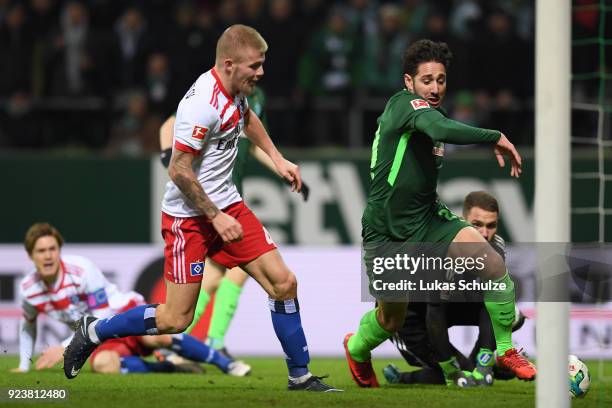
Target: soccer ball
x,y
579,377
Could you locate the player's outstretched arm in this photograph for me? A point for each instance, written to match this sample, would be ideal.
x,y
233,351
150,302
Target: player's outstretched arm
x,y
27,339
442,129
505,148
257,134
181,173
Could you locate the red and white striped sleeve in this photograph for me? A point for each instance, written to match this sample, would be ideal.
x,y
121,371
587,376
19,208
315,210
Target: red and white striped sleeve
x,y
195,121
96,286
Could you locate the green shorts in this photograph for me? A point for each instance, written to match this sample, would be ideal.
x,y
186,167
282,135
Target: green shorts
x,y
431,239
443,227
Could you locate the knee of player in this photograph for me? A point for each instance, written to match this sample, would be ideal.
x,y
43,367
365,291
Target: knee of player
x,y
390,322
286,289
106,362
181,323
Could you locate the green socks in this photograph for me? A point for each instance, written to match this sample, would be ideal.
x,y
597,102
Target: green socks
x,y
203,300
369,336
500,305
449,366
453,375
226,301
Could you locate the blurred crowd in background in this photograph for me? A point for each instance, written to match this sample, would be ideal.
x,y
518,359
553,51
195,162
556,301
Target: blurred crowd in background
x,y
103,74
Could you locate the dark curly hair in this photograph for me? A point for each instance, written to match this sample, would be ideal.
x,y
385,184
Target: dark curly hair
x,y
425,51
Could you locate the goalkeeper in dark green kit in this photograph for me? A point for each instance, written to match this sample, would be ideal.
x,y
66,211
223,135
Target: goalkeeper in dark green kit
x,y
403,206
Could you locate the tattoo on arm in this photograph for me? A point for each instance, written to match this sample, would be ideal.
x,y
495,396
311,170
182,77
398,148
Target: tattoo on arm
x,y
182,174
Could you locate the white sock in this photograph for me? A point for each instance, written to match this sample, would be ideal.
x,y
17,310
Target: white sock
x,y
300,379
91,332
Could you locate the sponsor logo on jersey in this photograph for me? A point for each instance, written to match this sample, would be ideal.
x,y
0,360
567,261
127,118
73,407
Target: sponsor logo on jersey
x,y
419,104
199,132
196,268
226,144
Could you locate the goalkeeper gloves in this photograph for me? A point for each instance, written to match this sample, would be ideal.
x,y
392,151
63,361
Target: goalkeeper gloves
x,y
165,156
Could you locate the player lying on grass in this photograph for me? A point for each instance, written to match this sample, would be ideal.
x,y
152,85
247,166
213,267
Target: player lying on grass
x,y
423,340
414,345
67,287
204,215
225,284
403,207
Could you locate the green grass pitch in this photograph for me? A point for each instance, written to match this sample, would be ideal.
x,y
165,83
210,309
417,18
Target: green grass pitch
x,y
266,388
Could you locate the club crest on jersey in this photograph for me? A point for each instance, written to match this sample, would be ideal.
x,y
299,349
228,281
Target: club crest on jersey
x,y
196,268
419,104
199,132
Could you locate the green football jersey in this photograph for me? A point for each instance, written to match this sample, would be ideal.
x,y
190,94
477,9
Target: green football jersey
x,y
406,157
257,101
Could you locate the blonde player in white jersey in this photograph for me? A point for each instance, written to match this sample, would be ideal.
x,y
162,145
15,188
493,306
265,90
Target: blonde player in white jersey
x,y
204,215
67,287
225,285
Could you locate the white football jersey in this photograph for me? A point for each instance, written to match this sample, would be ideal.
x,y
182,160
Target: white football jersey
x,y
81,289
208,124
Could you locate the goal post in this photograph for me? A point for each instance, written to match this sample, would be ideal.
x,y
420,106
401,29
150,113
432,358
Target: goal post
x,y
552,192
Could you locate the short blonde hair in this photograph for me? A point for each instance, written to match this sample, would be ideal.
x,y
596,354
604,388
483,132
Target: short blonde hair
x,y
236,38
39,230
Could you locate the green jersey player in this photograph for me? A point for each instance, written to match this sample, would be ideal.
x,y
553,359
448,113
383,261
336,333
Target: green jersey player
x,y
424,339
403,205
